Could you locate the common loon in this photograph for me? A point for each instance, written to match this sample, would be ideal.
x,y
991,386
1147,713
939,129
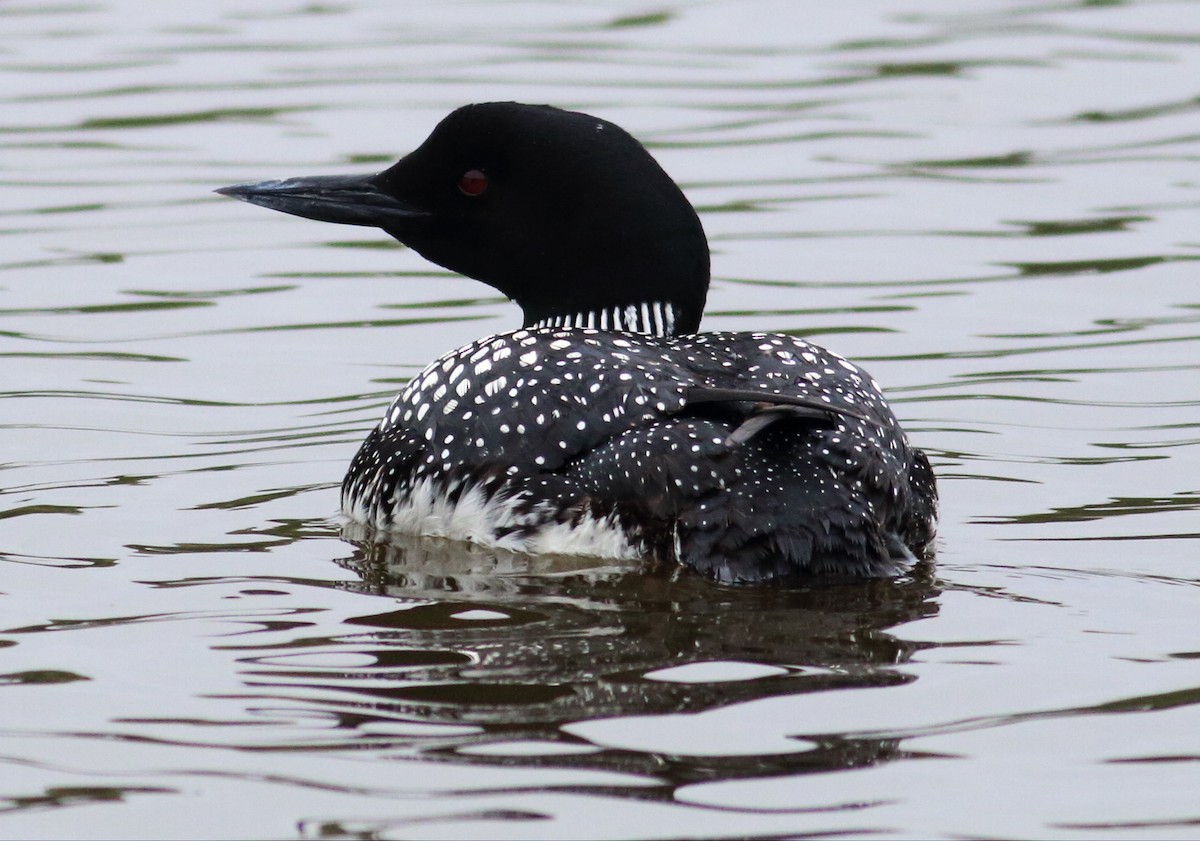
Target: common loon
x,y
607,425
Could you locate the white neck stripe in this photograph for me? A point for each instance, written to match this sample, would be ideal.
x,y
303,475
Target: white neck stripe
x,y
656,318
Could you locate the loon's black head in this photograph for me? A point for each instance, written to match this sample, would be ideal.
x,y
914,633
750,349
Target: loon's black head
x,y
563,212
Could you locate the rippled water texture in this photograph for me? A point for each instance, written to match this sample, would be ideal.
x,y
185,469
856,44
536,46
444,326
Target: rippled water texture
x,y
992,205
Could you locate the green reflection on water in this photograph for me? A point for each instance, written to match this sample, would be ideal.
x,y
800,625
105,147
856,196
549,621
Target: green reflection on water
x,y
1116,507
210,116
86,309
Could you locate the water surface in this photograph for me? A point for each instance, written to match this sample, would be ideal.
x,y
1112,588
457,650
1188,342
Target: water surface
x,y
991,205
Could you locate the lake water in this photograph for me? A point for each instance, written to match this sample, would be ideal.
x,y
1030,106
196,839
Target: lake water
x,y
992,205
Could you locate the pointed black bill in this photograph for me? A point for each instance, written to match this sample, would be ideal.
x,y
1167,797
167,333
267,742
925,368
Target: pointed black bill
x,y
345,199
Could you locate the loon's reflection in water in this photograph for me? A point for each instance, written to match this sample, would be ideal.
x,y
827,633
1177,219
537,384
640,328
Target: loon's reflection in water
x,y
484,648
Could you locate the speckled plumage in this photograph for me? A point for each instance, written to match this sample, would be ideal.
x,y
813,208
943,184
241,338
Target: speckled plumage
x,y
608,425
543,428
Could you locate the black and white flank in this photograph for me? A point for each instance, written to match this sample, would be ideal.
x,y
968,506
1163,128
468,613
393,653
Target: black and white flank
x,y
607,425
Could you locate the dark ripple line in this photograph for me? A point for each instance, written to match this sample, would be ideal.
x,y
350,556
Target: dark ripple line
x,y
107,356
137,619
92,309
1104,538
1062,401
136,398
1136,704
1001,353
155,121
57,562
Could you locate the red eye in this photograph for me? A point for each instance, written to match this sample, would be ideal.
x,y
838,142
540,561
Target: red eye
x,y
474,182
